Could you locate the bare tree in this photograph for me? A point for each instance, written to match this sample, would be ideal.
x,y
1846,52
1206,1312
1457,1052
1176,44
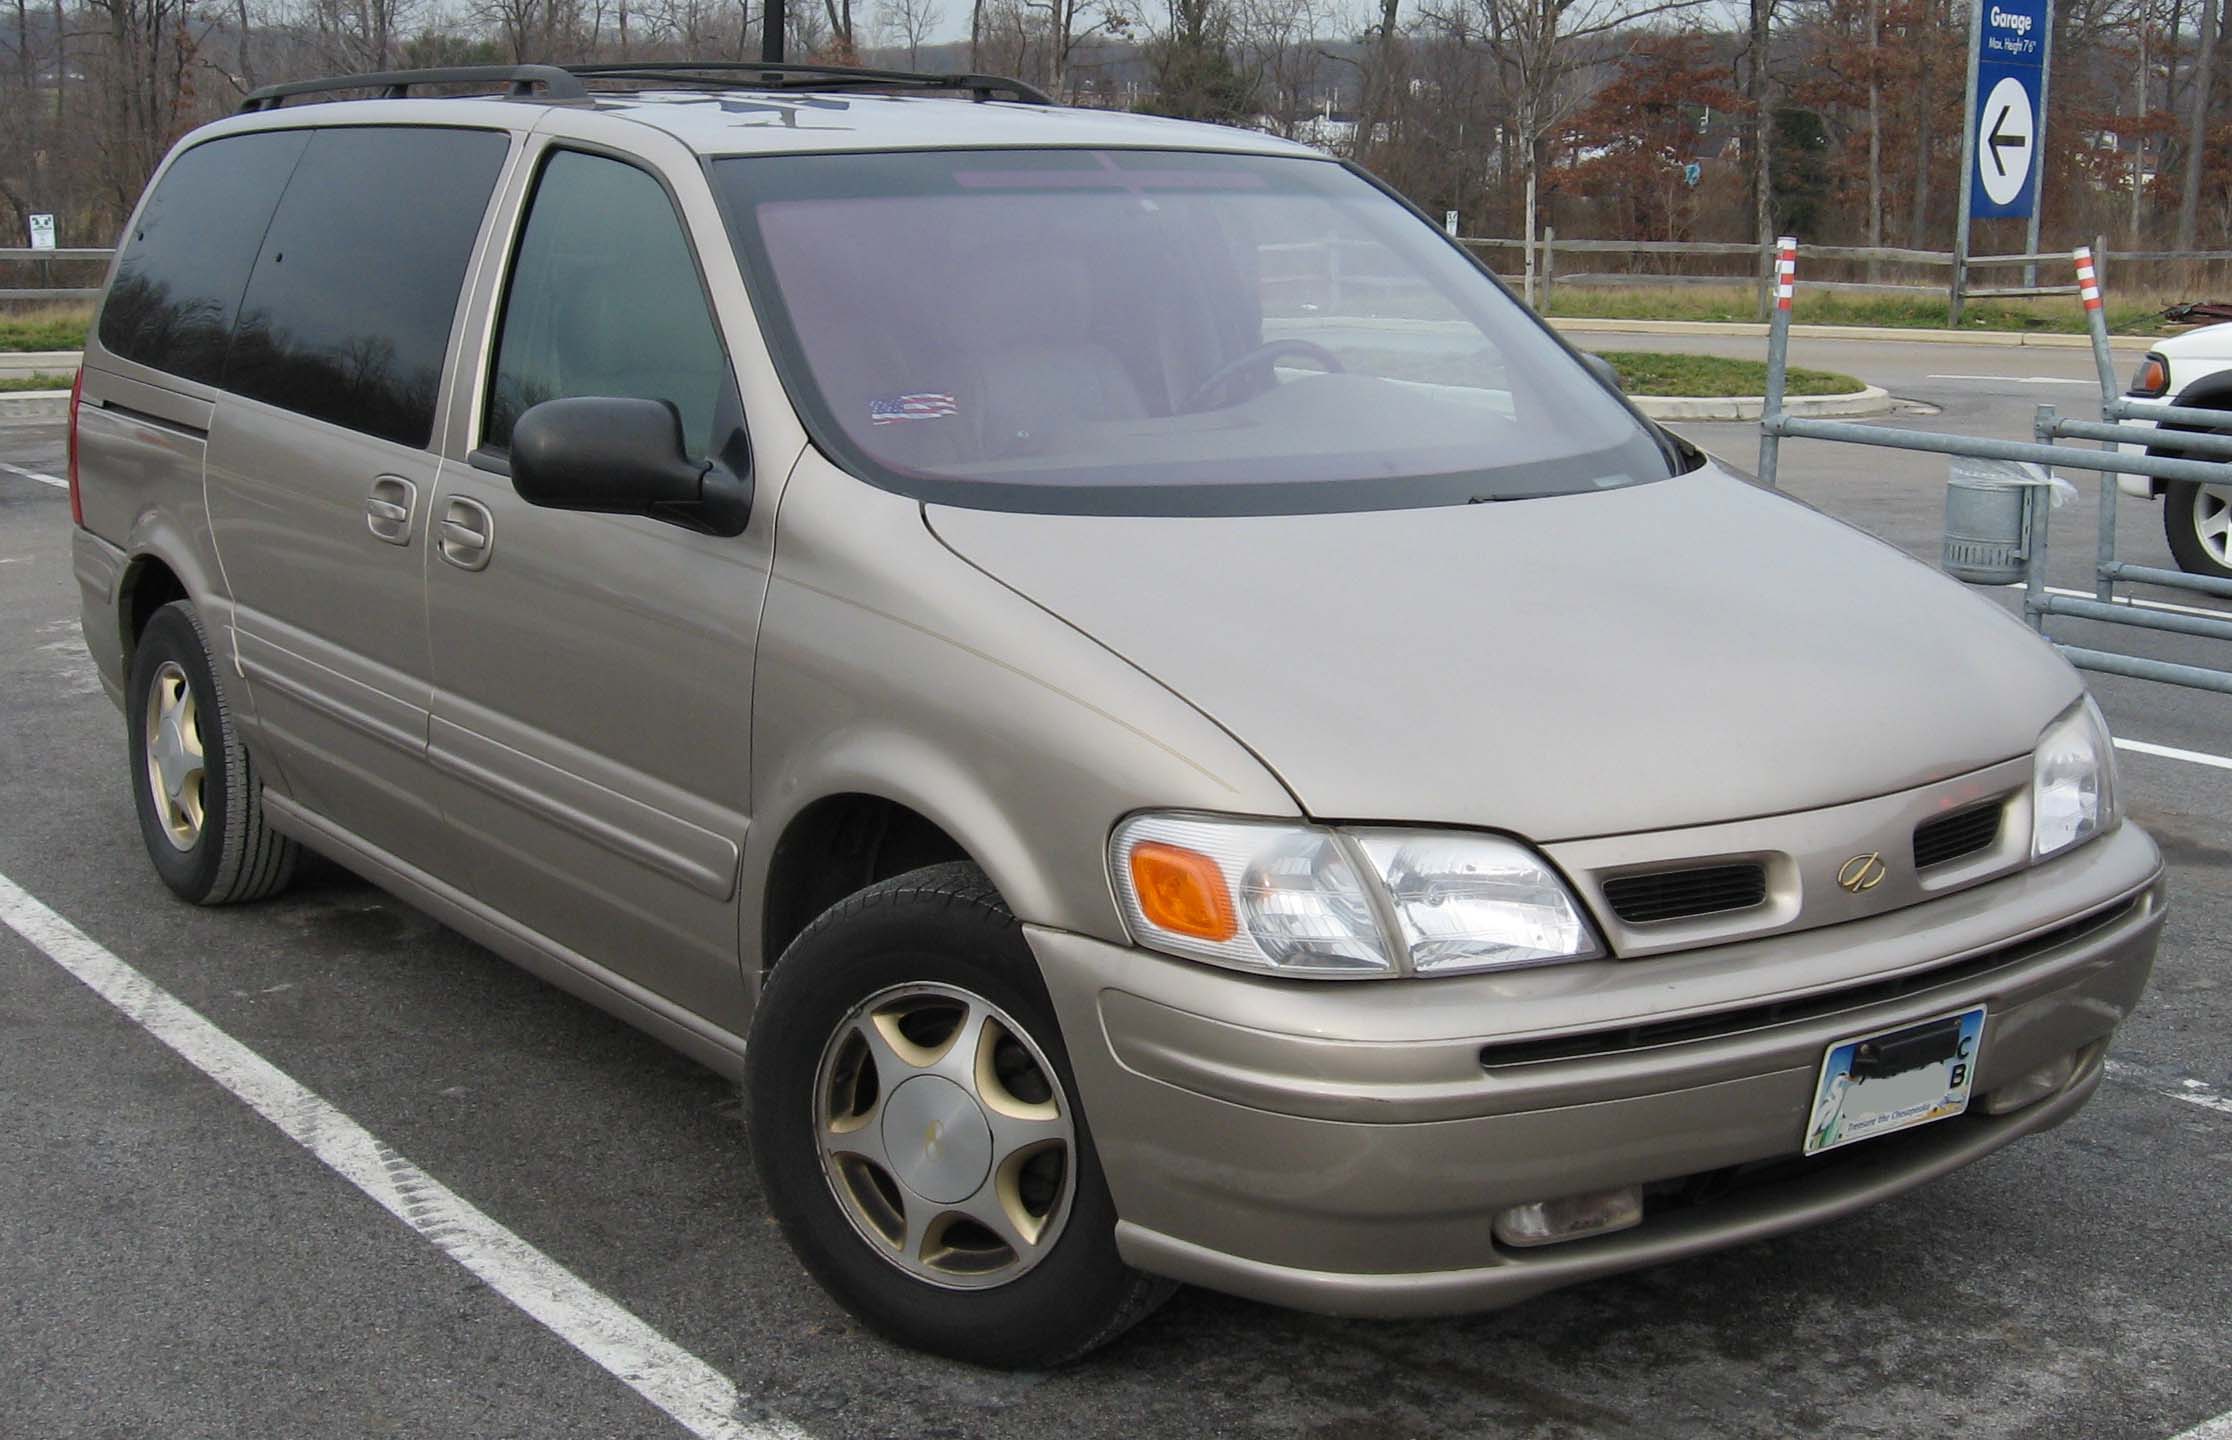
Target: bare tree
x,y
909,23
2202,89
1537,47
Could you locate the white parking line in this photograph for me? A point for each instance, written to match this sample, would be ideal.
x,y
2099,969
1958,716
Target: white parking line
x,y
2019,379
2172,752
702,1399
2217,1429
2136,601
58,484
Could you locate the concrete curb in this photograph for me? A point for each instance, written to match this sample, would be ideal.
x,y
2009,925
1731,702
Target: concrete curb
x,y
38,362
35,405
2133,344
1874,400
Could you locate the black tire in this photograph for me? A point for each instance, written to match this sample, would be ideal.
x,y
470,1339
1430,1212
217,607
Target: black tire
x,y
946,925
2183,506
235,856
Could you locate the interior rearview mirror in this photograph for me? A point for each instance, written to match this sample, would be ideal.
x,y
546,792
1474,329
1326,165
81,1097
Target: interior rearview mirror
x,y
623,457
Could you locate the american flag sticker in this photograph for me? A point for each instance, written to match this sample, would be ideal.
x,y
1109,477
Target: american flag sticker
x,y
894,409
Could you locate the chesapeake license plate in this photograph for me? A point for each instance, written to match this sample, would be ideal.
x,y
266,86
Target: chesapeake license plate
x,y
1895,1080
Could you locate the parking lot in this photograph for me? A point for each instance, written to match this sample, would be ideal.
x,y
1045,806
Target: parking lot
x,y
172,1262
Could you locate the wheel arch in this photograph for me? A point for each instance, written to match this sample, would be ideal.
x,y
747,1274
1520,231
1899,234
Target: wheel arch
x,y
871,805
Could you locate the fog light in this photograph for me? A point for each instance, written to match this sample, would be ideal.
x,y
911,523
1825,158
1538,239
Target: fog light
x,y
1546,1222
2031,1088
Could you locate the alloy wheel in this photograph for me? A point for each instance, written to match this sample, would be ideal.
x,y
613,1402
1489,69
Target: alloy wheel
x,y
177,769
2212,522
945,1135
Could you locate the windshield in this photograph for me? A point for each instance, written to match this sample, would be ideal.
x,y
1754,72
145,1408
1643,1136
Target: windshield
x,y
1155,332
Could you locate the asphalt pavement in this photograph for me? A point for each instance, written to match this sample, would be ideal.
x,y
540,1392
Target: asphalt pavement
x,y
172,1263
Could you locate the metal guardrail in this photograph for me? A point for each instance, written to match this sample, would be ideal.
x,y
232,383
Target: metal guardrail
x,y
45,258
2029,541
1542,263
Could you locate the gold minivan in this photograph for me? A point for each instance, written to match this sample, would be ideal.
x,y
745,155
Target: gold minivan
x,y
1165,726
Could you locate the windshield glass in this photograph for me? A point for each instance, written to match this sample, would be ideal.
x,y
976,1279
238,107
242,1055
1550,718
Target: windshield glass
x,y
1156,332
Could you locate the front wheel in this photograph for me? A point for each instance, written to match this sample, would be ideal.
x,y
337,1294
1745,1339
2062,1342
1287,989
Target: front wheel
x,y
914,1121
2197,521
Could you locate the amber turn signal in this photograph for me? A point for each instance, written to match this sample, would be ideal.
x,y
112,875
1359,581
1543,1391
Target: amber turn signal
x,y
1182,891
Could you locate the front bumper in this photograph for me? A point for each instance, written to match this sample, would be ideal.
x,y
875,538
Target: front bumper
x,y
1345,1147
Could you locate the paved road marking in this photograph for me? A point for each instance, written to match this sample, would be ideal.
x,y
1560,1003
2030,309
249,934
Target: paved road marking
x,y
702,1399
2172,752
2136,601
2172,1087
58,484
2217,1429
2019,379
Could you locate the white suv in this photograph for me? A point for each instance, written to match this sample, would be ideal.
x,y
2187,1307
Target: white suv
x,y
2193,369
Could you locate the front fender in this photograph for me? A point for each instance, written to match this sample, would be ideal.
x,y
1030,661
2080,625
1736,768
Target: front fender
x,y
888,666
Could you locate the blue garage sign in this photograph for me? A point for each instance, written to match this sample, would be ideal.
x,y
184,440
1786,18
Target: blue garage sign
x,y
2010,116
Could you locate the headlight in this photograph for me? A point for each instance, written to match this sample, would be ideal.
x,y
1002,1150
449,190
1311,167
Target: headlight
x,y
2073,781
1302,900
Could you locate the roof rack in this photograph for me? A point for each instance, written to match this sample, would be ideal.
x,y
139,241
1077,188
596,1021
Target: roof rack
x,y
556,83
766,75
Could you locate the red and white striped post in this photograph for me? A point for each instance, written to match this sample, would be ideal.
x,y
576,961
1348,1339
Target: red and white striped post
x,y
2096,320
1778,356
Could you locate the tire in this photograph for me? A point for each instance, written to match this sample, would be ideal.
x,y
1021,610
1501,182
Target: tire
x,y
208,840
2195,521
925,950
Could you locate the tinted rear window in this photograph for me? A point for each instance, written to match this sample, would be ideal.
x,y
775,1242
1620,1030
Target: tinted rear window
x,y
347,314
187,260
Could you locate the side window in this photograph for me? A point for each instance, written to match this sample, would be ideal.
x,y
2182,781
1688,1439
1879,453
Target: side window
x,y
347,316
188,258
604,299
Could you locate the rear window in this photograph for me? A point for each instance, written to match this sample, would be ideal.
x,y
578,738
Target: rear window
x,y
188,255
1155,332
347,315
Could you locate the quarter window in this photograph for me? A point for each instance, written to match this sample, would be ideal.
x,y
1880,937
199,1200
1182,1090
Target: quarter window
x,y
190,252
347,316
604,299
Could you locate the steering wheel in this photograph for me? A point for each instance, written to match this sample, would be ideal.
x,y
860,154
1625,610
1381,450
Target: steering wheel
x,y
1266,351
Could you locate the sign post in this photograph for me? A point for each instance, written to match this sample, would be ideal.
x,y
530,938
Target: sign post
x,y
2003,121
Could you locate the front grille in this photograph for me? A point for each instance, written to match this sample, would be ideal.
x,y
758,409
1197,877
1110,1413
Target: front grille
x,y
1679,894
1721,1023
1949,837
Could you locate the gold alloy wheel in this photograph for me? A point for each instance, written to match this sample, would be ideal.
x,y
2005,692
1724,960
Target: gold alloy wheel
x,y
945,1136
2212,522
177,770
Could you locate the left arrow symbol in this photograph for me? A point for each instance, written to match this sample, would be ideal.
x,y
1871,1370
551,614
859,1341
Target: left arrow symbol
x,y
2001,140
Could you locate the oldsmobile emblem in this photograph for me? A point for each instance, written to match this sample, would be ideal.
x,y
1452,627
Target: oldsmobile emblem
x,y
1862,873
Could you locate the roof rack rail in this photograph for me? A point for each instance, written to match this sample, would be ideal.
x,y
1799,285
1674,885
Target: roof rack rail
x,y
556,83
773,75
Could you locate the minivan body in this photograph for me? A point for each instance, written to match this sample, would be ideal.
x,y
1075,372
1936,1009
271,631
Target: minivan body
x,y
1166,727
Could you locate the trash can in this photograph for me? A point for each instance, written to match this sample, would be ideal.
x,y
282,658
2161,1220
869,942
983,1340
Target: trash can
x,y
1984,530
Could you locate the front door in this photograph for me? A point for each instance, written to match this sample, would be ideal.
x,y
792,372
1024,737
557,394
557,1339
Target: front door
x,y
593,673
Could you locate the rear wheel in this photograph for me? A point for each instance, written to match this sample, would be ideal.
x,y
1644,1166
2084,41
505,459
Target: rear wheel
x,y
2197,521
914,1121
200,804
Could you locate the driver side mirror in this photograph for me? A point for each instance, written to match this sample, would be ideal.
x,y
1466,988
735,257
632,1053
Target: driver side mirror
x,y
1605,371
620,456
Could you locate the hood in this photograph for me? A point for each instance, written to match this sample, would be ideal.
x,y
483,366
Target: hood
x,y
2210,342
1678,653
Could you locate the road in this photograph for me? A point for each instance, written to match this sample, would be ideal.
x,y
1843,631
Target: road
x,y
172,1264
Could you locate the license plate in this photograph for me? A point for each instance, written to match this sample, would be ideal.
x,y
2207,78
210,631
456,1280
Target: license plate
x,y
1895,1080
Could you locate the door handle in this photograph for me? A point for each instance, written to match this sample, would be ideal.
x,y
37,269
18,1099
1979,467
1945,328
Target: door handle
x,y
389,508
466,535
